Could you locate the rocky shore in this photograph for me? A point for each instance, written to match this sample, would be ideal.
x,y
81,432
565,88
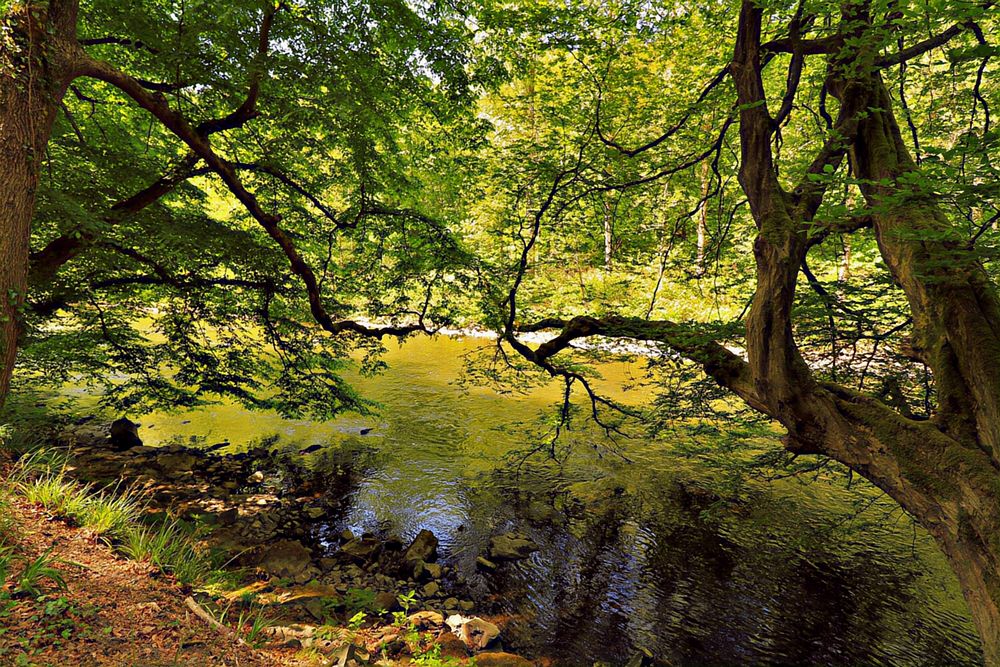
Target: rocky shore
x,y
352,597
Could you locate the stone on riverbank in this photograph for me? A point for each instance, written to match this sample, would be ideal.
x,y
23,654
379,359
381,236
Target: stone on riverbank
x,y
289,559
423,547
476,632
362,549
501,659
426,571
426,619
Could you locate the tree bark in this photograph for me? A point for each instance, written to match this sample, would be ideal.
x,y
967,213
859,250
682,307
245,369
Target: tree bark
x,y
956,332
35,70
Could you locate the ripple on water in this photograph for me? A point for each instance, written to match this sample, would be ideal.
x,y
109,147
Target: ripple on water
x,y
790,580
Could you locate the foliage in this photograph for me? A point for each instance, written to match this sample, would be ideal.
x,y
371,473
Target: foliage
x,y
35,571
170,547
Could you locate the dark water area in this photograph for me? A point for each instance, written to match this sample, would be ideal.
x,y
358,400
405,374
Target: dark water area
x,y
636,555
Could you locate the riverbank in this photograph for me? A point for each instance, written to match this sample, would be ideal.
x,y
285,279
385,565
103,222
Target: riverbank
x,y
91,607
221,542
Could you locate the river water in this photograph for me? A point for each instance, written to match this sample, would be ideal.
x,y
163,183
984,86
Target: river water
x,y
635,554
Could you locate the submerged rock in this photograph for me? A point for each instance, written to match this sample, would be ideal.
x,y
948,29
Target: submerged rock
x,y
362,549
485,564
510,546
423,547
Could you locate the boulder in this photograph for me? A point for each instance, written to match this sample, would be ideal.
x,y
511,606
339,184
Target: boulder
x,y
423,547
510,546
476,632
289,559
124,434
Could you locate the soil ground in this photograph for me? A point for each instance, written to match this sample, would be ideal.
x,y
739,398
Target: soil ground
x,y
113,611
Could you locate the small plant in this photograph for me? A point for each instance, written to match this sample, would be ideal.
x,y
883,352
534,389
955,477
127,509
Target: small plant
x,y
431,656
170,548
407,600
255,624
355,622
34,572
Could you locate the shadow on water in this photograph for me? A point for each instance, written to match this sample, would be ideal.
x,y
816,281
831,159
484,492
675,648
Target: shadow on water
x,y
616,574
631,557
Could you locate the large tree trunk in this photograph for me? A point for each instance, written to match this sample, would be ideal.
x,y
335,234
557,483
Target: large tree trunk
x,y
956,332
945,471
36,70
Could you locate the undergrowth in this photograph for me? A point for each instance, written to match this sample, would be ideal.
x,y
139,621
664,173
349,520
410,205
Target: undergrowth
x,y
39,474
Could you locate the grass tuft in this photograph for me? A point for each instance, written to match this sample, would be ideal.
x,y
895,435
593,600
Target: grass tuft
x,y
114,513
171,548
35,571
61,497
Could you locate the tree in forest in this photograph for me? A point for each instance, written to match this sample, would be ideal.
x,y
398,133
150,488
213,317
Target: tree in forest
x,y
942,467
249,172
203,213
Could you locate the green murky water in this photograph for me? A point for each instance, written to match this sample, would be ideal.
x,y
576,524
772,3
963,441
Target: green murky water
x,y
634,554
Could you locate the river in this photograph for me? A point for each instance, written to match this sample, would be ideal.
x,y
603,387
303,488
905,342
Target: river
x,y
637,552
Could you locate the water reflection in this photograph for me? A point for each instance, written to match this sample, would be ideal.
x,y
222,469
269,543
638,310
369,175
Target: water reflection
x,y
630,557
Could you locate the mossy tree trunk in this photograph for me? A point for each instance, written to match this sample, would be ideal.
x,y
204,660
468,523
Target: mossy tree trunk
x,y
944,471
35,70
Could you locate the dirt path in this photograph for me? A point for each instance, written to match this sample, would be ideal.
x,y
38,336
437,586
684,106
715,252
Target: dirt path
x,y
113,612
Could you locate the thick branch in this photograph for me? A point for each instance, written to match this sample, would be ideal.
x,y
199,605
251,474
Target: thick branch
x,y
199,144
47,261
930,43
726,367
